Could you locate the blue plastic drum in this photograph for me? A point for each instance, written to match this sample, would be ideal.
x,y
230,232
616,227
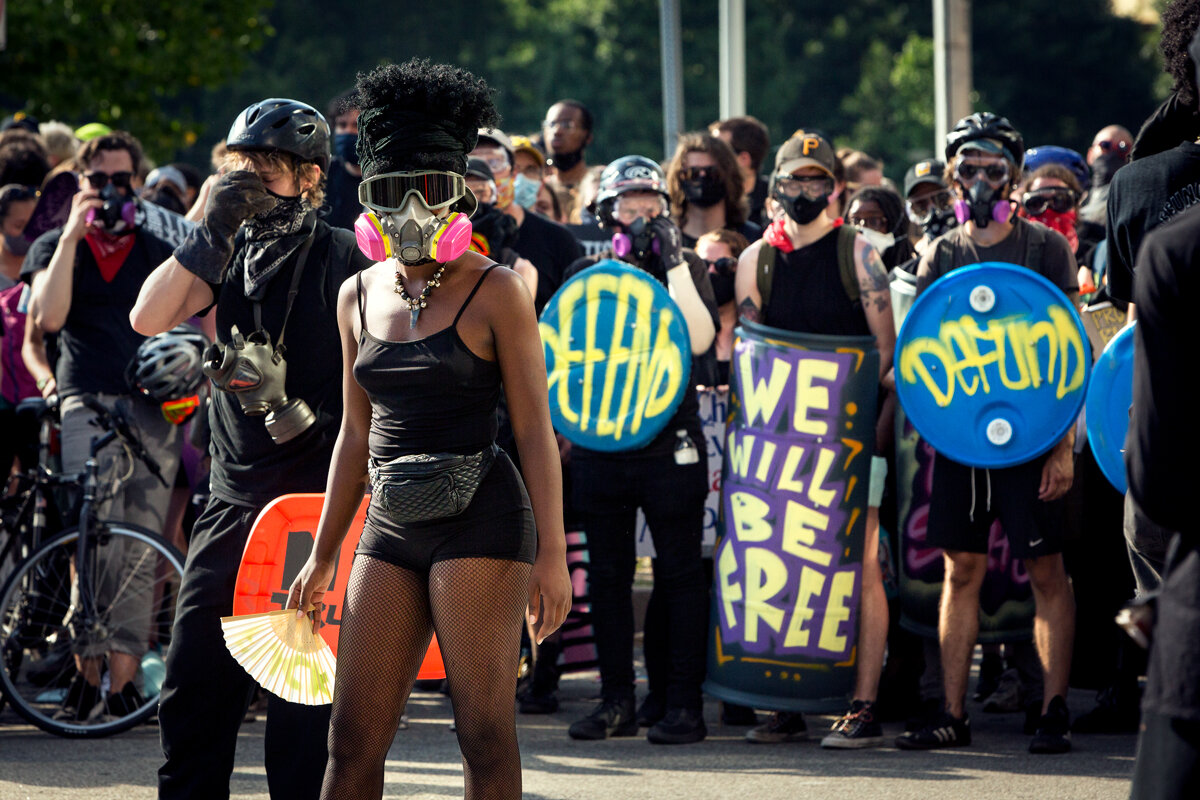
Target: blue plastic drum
x,y
992,364
1109,396
618,357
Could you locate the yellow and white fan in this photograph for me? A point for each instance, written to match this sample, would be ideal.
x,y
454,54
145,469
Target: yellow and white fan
x,y
282,653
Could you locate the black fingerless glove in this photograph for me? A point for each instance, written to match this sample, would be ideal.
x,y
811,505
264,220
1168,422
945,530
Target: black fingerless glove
x,y
235,198
670,245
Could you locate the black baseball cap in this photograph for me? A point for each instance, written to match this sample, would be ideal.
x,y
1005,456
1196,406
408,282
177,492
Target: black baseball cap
x,y
931,171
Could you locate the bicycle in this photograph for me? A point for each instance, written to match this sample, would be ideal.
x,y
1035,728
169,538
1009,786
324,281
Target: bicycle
x,y
61,606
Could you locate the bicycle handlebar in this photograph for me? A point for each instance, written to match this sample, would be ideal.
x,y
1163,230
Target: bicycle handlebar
x,y
114,421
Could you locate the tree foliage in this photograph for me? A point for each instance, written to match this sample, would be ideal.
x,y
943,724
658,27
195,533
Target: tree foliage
x,y
122,61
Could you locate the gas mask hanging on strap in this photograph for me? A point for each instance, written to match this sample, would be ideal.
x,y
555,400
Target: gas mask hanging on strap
x,y
402,224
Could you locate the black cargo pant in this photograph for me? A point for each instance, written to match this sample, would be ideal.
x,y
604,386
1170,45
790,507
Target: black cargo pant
x,y
607,493
206,692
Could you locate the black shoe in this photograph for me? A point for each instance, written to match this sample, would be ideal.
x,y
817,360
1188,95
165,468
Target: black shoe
x,y
651,711
1054,730
783,726
610,718
931,709
81,701
679,726
535,703
856,729
733,714
1112,714
120,704
945,731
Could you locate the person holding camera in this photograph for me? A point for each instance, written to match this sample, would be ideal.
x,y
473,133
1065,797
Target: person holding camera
x,y
272,269
84,279
667,479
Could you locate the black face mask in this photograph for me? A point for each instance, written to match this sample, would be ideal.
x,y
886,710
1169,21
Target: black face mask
x,y
981,198
802,208
938,222
705,192
565,162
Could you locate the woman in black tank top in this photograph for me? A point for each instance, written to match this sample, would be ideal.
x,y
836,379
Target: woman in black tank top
x,y
428,336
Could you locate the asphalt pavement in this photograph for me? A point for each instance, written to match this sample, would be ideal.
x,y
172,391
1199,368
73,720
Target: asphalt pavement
x,y
424,762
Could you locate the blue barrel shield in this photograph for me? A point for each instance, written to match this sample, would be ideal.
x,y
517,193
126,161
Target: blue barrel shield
x,y
618,357
1109,396
992,363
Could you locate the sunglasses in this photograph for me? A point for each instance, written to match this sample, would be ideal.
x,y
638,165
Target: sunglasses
x,y
389,191
993,173
1036,203
874,223
1106,146
722,266
922,207
696,173
99,180
565,124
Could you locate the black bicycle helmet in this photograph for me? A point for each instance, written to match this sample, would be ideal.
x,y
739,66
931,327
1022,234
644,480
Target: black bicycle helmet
x,y
167,366
282,125
628,174
986,125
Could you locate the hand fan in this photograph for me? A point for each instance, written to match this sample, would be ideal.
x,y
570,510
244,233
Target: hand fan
x,y
282,653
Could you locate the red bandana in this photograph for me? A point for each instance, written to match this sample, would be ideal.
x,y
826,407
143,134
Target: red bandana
x,y
110,252
777,237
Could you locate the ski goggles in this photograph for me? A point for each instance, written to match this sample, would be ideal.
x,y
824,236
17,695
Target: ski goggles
x,y
1060,201
995,173
390,191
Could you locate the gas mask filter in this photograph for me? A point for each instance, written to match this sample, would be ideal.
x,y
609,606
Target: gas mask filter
x,y
414,235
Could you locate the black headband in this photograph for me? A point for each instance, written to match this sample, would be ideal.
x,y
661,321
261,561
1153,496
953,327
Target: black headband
x,y
389,138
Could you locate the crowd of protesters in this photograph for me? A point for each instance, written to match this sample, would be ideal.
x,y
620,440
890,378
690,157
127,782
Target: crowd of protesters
x,y
87,221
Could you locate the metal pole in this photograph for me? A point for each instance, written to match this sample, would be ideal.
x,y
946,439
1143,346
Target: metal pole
x,y
672,74
732,33
952,77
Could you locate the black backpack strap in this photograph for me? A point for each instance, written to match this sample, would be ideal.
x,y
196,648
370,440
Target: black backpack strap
x,y
845,256
1035,247
765,275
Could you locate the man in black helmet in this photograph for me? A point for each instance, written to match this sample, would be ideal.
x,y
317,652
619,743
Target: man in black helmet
x,y
667,482
984,155
85,277
269,266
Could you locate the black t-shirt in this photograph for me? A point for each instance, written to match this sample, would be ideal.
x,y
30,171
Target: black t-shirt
x,y
249,468
97,342
687,416
1142,196
1161,447
341,196
551,248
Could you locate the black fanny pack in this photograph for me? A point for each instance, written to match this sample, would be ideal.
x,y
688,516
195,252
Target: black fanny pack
x,y
428,486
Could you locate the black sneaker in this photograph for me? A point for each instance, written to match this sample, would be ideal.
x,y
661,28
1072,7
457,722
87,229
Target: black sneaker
x,y
1054,730
931,709
119,704
944,731
81,702
531,702
610,718
856,729
678,726
783,726
652,710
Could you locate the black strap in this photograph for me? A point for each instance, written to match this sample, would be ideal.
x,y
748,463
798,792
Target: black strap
x,y
362,305
466,302
293,290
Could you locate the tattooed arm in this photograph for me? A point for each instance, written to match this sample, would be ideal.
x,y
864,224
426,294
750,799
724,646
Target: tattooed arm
x,y
745,284
875,290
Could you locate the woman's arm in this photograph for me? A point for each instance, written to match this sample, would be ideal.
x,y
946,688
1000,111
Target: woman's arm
x,y
876,294
523,370
347,470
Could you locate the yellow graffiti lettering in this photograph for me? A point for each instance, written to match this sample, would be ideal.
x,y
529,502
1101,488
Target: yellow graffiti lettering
x,y
817,492
765,459
741,450
762,398
666,368
591,354
811,584
810,396
965,355
837,611
750,517
791,465
801,525
731,590
766,575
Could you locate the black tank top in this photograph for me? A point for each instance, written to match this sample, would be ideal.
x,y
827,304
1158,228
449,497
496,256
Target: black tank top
x,y
430,395
807,294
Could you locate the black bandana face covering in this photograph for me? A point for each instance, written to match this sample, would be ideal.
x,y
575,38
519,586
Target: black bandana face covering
x,y
272,237
565,162
705,192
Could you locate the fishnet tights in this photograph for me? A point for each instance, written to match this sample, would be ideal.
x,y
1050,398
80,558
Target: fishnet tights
x,y
476,605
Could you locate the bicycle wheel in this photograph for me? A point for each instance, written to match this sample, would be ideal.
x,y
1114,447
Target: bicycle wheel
x,y
58,668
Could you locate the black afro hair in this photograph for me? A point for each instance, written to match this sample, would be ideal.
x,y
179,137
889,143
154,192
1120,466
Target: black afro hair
x,y
1179,21
421,93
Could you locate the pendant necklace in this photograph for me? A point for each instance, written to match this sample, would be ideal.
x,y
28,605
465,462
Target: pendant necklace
x,y
415,304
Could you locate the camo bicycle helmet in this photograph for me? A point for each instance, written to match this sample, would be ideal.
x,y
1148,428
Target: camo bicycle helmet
x,y
167,366
628,174
1053,154
282,125
984,125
